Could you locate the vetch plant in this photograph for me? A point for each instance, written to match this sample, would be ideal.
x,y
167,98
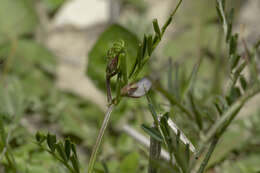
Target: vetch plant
x,y
208,120
117,67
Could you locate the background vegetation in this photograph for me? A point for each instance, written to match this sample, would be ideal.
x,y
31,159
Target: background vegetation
x,y
200,71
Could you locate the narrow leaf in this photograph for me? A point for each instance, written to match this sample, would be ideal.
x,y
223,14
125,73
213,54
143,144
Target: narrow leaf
x,y
61,151
40,137
144,45
149,44
233,44
51,141
234,59
152,132
67,148
156,28
75,163
243,82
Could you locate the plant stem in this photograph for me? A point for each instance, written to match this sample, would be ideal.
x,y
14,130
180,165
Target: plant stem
x,y
220,126
99,139
208,155
166,24
109,95
232,111
170,18
154,156
222,13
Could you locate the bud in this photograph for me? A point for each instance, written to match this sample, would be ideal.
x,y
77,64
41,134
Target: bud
x,y
137,89
112,66
40,137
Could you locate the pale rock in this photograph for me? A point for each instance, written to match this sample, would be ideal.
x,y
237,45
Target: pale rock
x,y
82,13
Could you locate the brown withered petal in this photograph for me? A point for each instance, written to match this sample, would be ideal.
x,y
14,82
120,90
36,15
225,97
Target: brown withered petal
x,y
137,89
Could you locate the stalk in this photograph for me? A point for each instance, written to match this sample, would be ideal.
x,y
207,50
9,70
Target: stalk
x,y
208,155
220,126
99,139
154,155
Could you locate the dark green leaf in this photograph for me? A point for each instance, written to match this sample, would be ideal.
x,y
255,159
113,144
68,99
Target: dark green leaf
x,y
149,44
40,137
229,25
233,95
144,45
75,163
239,69
233,44
152,132
187,153
234,58
164,125
74,150
156,28
219,109
178,139
243,82
219,14
61,150
152,110
67,148
51,141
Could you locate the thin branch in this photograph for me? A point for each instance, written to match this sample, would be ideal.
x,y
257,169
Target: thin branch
x,y
230,112
225,120
222,13
99,138
154,155
208,155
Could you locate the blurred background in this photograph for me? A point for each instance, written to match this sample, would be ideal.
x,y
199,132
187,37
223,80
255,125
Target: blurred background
x,y
52,63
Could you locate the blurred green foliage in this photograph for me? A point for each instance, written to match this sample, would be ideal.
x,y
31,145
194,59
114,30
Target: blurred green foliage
x,y
30,100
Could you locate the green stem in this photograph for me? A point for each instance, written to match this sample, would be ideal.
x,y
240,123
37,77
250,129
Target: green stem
x,y
208,155
222,13
220,126
154,155
170,18
99,139
230,112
